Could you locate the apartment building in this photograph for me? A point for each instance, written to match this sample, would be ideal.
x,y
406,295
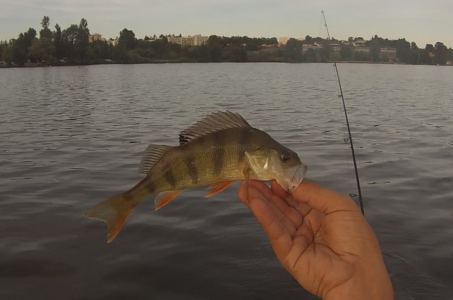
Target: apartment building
x,y
195,40
283,40
95,37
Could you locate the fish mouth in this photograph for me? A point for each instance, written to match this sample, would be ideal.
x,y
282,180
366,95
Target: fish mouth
x,y
298,177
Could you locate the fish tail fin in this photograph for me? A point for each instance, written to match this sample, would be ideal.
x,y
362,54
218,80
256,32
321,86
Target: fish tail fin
x,y
114,212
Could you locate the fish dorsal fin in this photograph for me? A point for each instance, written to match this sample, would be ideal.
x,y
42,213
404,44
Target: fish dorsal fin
x,y
152,155
212,123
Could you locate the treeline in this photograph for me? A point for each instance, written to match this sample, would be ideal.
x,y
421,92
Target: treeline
x,y
71,43
217,49
406,52
72,46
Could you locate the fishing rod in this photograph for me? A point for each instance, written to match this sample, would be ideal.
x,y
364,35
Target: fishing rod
x,y
347,123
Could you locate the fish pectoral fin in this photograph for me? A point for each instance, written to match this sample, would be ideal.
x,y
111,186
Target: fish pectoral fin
x,y
164,198
114,212
218,187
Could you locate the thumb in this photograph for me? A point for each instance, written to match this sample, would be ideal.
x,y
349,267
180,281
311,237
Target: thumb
x,y
322,199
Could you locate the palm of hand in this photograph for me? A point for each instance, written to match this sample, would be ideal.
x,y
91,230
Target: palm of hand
x,y
320,250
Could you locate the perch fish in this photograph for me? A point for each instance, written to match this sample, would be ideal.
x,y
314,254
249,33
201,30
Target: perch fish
x,y
217,150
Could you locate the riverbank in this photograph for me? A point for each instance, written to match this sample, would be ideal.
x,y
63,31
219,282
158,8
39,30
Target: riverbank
x,y
181,61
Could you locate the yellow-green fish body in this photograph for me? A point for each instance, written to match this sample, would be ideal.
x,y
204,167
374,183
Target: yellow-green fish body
x,y
218,150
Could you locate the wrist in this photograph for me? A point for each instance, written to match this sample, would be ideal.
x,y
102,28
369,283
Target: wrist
x,y
368,282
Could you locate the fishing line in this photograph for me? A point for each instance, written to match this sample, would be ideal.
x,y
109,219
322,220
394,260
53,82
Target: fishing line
x,y
347,122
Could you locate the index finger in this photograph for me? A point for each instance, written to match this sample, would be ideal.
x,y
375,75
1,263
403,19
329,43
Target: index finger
x,y
322,199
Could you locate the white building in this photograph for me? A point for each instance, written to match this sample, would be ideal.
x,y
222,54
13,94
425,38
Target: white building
x,y
195,40
174,39
200,40
283,40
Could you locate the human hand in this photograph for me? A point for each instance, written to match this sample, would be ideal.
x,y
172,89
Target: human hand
x,y
322,239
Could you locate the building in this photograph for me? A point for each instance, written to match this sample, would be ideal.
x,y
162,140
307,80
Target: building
x,y
95,37
362,49
195,40
283,40
359,43
112,42
174,39
314,46
200,40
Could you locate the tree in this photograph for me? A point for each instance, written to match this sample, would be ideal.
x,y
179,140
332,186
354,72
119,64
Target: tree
x,y
69,39
7,54
414,57
216,53
440,53
203,53
45,31
127,39
82,40
429,48
238,54
213,40
402,50
375,50
425,57
2,46
360,55
45,22
326,50
294,50
20,47
58,42
252,47
450,54
43,49
346,52
36,50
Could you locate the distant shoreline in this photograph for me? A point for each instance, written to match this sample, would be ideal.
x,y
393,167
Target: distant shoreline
x,y
38,65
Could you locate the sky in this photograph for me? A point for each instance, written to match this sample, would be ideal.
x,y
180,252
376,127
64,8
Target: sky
x,y
420,21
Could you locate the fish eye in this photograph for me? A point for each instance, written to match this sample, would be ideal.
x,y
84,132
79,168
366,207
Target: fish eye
x,y
285,157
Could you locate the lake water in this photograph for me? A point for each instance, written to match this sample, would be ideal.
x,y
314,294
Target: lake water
x,y
71,137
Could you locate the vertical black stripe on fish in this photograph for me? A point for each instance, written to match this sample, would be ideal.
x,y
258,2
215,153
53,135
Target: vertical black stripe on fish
x,y
219,151
244,138
189,160
151,187
170,177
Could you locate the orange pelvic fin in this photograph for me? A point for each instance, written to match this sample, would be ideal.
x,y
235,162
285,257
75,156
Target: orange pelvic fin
x,y
114,212
218,187
164,198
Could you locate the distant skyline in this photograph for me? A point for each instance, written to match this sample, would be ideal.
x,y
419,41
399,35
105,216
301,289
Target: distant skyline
x,y
419,21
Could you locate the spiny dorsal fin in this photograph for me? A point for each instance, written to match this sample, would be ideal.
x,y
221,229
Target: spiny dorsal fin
x,y
152,155
214,122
